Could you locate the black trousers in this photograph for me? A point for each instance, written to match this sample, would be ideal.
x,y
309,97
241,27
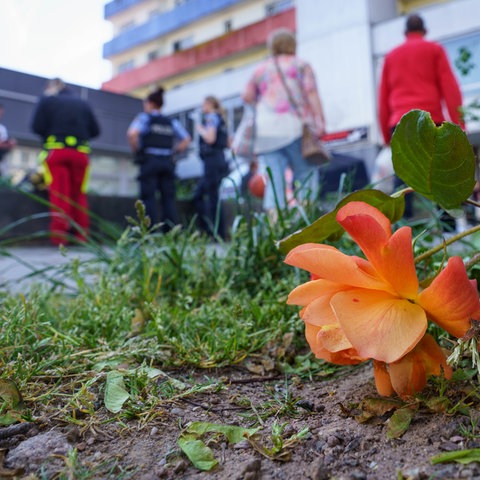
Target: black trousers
x,y
206,196
157,174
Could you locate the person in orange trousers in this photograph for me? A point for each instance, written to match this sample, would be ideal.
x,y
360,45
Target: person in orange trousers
x,y
66,124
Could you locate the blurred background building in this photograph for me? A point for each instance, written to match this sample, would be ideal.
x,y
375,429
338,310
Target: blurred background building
x,y
196,48
113,172
201,47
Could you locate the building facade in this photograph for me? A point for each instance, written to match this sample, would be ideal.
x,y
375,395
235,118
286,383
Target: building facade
x,y
202,47
112,169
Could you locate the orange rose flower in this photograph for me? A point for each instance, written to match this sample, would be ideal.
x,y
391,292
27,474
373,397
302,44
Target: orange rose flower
x,y
357,309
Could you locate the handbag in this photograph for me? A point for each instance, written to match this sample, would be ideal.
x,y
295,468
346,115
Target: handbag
x,y
244,137
383,176
313,149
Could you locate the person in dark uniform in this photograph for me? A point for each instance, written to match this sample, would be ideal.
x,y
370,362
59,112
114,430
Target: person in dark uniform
x,y
213,139
66,124
154,139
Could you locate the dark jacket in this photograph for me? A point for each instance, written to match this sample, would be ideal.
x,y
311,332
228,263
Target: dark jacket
x,y
221,141
64,115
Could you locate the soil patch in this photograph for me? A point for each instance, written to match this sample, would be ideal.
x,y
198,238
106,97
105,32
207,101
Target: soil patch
x,y
336,447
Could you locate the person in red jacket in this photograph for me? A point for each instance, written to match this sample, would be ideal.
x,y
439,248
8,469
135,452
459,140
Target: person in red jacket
x,y
417,75
65,123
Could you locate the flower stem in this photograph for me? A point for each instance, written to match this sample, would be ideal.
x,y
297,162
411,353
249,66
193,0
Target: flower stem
x,y
455,238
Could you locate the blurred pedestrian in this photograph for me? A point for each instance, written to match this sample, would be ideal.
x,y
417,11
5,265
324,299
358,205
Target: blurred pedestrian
x,y
6,143
278,125
213,139
417,75
154,139
65,123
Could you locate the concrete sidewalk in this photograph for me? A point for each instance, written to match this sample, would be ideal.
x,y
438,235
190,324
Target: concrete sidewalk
x,y
22,266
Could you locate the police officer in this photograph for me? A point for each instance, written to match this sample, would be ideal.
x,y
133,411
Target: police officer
x,y
213,139
154,138
66,124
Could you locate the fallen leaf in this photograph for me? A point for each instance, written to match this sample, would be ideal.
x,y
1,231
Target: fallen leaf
x,y
459,456
399,422
115,392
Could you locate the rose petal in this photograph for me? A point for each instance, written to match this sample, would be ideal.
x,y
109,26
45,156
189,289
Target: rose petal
x,y
378,325
328,263
390,255
310,291
314,338
451,300
319,312
382,379
409,375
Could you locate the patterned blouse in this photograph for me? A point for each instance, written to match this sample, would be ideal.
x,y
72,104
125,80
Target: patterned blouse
x,y
267,87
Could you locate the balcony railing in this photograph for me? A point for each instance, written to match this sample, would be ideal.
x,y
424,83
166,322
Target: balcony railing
x,y
232,43
184,14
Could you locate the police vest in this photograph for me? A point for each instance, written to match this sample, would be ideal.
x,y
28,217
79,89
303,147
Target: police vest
x,y
159,135
221,141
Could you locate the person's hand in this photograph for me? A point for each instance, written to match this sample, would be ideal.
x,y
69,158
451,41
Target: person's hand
x,y
8,144
319,127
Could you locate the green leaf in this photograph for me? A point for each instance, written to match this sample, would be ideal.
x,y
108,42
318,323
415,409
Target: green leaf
x,y
115,392
380,406
399,422
437,162
459,456
197,452
327,228
10,393
9,419
233,433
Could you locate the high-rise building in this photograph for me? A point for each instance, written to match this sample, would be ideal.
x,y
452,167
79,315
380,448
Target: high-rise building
x,y
197,48
176,42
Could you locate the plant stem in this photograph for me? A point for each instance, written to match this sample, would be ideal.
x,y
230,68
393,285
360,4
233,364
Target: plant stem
x,y
458,236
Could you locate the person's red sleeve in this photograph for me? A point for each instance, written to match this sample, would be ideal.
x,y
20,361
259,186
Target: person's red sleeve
x,y
383,106
450,88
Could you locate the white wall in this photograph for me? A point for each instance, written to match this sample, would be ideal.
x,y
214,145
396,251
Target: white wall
x,y
443,21
335,38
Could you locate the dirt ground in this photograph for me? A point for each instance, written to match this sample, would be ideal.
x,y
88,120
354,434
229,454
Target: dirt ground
x,y
336,447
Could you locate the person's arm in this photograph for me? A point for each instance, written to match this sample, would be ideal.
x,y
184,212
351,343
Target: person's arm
x,y
312,97
133,133
317,110
250,93
208,131
450,89
39,122
383,106
132,137
93,126
182,135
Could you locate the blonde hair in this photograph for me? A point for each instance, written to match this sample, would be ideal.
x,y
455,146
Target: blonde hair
x,y
282,42
217,106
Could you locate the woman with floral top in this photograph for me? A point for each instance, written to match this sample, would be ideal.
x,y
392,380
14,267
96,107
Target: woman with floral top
x,y
278,122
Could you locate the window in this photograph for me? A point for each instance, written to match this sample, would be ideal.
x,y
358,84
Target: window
x,y
183,44
228,26
405,6
152,55
127,26
277,7
154,13
125,66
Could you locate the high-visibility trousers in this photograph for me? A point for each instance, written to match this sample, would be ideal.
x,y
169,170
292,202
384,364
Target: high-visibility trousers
x,y
66,174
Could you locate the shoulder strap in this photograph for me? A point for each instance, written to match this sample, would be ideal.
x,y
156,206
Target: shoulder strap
x,y
289,93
